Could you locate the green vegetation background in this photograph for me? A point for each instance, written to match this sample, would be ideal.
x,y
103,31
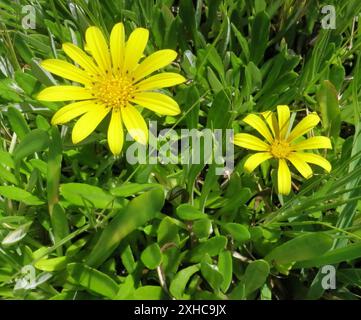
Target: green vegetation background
x,y
96,227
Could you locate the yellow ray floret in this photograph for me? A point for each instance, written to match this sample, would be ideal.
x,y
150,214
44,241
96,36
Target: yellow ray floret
x,y
112,80
283,144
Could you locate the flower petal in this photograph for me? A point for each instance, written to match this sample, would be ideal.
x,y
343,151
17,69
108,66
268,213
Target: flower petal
x,y
255,160
66,70
318,142
162,80
283,113
300,164
88,123
71,111
134,48
155,61
64,93
248,141
115,133
117,46
305,125
135,124
157,102
271,120
257,123
98,47
80,57
283,177
315,159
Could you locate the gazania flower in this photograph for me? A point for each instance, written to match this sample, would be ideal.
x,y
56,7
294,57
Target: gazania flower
x,y
283,144
112,81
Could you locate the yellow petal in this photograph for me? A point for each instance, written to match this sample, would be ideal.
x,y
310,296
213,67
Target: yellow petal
x,y
315,159
134,48
283,177
257,123
80,57
271,120
300,164
117,46
88,123
115,133
98,48
283,113
305,125
162,80
64,93
135,124
66,70
318,142
157,102
71,111
255,160
155,61
248,141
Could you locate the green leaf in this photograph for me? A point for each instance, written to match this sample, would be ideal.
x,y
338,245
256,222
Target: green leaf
x,y
202,228
335,256
139,211
259,36
188,212
329,107
17,122
81,194
256,275
212,275
149,293
151,256
130,189
53,264
212,247
34,141
303,247
93,280
178,284
225,267
17,194
238,231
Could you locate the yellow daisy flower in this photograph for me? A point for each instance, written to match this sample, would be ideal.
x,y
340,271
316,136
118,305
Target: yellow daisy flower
x,y
112,81
282,143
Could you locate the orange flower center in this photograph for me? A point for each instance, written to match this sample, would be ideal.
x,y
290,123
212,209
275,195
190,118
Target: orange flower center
x,y
280,149
114,92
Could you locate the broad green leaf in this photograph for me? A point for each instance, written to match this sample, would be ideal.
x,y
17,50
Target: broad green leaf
x,y
149,293
212,247
17,122
259,37
225,267
81,194
52,264
329,106
138,212
179,282
304,247
188,212
17,194
130,189
151,256
212,275
93,280
256,275
238,231
34,141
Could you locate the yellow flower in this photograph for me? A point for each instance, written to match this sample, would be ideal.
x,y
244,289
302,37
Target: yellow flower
x,y
112,81
282,144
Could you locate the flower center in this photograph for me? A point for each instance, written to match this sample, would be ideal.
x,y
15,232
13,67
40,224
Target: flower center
x,y
113,92
280,149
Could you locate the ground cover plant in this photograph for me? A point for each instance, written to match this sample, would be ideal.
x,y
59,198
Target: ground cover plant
x,y
273,85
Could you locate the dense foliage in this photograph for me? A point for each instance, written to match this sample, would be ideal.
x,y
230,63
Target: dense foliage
x,y
77,222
